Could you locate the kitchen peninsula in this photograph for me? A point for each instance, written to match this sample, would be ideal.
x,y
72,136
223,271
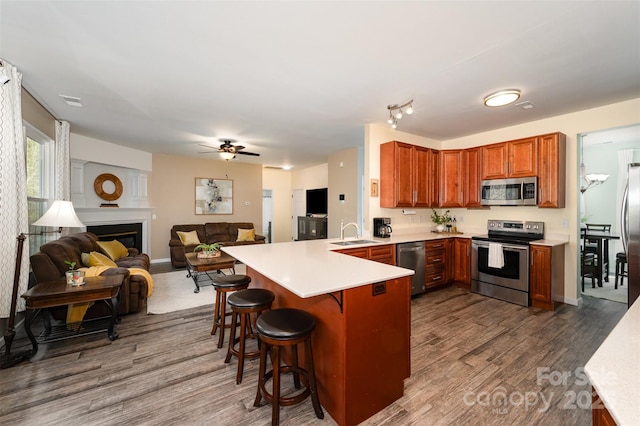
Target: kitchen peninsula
x,y
361,343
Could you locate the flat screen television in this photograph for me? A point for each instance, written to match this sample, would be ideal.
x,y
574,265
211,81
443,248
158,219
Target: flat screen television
x,y
317,201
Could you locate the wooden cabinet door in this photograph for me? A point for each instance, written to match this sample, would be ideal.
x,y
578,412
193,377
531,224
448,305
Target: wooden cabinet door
x,y
552,158
451,178
523,157
494,161
540,274
396,174
434,178
462,260
421,177
471,171
383,254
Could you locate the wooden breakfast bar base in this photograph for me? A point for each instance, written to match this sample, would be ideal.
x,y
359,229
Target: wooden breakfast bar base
x,y
361,344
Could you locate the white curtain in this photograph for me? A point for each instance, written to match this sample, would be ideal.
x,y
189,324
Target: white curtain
x,y
62,162
13,190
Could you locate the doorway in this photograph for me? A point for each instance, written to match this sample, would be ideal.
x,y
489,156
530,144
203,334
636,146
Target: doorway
x,y
603,158
267,214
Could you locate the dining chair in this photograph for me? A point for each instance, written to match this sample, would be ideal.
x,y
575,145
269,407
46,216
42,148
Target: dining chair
x,y
591,246
588,267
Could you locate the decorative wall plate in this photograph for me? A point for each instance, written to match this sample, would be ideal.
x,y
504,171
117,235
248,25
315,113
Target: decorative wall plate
x,y
98,186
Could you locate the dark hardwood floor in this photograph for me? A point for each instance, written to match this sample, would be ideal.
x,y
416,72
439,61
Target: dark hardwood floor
x,y
475,360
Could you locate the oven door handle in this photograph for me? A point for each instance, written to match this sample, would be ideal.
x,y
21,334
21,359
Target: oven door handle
x,y
504,246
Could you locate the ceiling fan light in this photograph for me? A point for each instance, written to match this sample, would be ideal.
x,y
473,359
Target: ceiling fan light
x,y
501,98
227,155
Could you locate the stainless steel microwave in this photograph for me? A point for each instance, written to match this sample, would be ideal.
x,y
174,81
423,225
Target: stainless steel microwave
x,y
509,192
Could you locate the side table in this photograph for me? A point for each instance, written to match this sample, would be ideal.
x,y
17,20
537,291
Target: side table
x,y
58,293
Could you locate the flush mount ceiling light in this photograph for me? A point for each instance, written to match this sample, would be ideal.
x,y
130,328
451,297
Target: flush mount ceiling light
x,y
503,97
396,113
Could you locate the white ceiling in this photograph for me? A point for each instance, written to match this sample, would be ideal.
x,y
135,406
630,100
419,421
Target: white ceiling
x,y
296,81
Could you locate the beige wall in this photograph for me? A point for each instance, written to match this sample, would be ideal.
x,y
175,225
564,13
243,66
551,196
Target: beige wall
x,y
610,116
279,182
172,195
35,114
343,179
311,177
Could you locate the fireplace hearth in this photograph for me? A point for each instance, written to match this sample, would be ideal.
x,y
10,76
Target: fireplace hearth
x,y
129,234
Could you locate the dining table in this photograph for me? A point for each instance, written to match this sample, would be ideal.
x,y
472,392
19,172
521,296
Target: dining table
x,y
602,248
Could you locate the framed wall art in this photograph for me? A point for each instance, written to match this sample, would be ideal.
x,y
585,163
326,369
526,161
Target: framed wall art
x,y
214,196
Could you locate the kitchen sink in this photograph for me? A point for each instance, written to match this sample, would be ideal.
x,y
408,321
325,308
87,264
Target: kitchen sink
x,y
354,242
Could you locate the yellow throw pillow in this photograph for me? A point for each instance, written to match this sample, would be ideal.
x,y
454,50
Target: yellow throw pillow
x,y
246,235
114,249
97,259
188,238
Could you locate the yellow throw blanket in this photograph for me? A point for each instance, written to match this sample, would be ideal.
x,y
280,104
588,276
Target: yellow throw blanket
x,y
76,311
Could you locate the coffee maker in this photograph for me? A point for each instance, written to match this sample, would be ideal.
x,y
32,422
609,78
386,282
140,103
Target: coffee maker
x,y
382,227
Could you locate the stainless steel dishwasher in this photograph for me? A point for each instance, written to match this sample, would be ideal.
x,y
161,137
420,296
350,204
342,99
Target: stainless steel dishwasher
x,y
411,256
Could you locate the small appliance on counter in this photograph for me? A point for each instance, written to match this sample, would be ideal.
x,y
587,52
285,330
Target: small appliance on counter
x,y
382,227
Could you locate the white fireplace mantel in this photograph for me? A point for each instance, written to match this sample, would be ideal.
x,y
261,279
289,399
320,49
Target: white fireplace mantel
x,y
118,215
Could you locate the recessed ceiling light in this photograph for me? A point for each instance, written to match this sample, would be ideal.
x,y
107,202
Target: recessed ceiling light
x,y
72,100
503,97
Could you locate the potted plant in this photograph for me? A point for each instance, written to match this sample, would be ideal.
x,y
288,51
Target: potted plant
x,y
74,276
208,250
440,219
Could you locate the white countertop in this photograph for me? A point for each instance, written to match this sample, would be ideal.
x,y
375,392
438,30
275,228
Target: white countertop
x,y
614,369
311,268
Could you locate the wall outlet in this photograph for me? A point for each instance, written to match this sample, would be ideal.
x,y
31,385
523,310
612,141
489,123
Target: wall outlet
x,y
565,223
247,203
460,219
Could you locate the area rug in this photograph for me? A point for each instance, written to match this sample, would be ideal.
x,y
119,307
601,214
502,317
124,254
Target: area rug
x,y
607,291
173,291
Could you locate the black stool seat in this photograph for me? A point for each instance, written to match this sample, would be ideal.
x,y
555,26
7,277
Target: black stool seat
x,y
244,303
286,324
278,329
224,284
231,280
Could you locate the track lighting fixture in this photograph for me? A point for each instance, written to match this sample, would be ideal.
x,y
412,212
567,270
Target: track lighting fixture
x,y
396,113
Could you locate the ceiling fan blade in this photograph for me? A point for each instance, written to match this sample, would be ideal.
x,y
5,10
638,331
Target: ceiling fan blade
x,y
207,146
248,153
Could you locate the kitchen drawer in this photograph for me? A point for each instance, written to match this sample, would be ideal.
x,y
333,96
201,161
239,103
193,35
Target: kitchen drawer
x,y
435,276
383,254
431,246
436,257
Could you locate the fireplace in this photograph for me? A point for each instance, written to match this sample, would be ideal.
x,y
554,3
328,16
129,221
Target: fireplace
x,y
129,234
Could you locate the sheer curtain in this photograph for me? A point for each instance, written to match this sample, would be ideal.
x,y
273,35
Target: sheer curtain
x,y
13,189
62,164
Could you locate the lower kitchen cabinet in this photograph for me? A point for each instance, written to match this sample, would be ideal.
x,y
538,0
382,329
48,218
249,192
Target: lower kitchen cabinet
x,y
600,416
546,275
385,253
462,261
435,262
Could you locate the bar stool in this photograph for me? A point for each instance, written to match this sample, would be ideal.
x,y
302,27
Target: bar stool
x,y
621,268
225,284
243,303
277,329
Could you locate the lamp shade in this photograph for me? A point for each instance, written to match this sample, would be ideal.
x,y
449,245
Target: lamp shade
x,y
61,214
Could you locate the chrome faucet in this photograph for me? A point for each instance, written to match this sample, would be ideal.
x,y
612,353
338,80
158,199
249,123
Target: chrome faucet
x,y
343,226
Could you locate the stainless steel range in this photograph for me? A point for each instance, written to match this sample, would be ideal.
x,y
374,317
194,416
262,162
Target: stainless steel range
x,y
500,260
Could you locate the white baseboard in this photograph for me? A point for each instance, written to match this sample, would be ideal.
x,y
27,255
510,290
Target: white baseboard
x,y
161,260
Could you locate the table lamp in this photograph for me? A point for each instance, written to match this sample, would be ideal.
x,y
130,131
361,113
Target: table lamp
x,y
60,215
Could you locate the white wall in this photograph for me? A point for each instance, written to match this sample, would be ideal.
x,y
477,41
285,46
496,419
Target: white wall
x,y
97,151
279,182
615,115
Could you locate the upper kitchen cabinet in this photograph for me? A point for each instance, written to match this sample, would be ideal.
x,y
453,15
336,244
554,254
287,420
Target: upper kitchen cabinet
x,y
552,159
451,178
517,158
460,178
471,176
406,173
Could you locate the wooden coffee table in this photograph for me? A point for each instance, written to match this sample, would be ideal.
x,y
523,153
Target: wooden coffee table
x,y
58,293
200,267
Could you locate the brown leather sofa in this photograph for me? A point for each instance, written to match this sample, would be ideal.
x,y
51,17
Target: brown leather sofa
x,y
212,232
48,265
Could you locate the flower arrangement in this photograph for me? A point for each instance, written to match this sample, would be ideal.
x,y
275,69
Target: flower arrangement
x,y
442,219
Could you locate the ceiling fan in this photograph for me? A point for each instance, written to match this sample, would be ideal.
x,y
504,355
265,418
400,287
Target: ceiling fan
x,y
228,151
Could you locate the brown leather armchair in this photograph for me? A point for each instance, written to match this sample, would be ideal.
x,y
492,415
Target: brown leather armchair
x,y
49,264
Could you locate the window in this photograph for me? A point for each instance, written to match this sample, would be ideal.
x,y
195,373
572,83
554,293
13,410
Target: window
x,y
40,181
